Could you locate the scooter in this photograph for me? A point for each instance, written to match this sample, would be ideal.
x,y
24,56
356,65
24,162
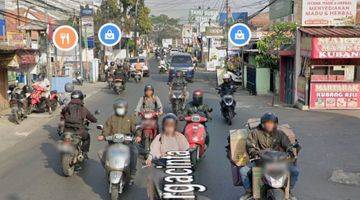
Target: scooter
x,y
227,104
118,85
149,129
37,100
195,132
110,80
116,164
177,100
162,68
138,74
18,104
78,78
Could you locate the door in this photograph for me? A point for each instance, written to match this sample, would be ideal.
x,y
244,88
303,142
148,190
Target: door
x,y
289,80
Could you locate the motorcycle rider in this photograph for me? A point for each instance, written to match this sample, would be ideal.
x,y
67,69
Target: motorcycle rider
x,y
65,98
178,82
168,140
123,123
44,83
227,85
149,102
267,136
119,73
196,106
74,116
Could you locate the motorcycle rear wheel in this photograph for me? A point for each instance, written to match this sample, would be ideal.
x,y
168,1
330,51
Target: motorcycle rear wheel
x,y
275,194
67,167
114,191
147,145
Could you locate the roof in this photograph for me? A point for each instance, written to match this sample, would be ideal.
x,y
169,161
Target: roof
x,y
332,32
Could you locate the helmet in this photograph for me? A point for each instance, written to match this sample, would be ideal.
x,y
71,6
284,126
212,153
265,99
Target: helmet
x,y
148,87
168,117
226,77
112,63
179,74
198,97
77,94
69,87
267,117
120,107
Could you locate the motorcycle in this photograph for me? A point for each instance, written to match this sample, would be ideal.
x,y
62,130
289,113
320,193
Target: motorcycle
x,y
149,129
177,100
118,85
18,104
195,133
117,161
38,101
110,80
162,68
272,175
236,76
78,78
138,74
227,104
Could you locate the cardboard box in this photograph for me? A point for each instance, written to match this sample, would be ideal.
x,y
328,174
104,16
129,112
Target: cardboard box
x,y
238,146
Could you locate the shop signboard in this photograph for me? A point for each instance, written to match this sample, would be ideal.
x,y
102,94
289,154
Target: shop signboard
x,y
214,32
329,48
203,15
335,95
329,12
15,39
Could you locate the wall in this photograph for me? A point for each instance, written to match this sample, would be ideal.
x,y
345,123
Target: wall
x,y
3,88
262,80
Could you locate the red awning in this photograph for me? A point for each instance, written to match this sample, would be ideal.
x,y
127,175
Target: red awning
x,y
331,32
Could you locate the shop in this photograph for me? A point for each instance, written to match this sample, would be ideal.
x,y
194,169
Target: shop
x,y
7,62
329,73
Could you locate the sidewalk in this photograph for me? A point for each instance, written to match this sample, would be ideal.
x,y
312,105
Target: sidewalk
x,y
11,133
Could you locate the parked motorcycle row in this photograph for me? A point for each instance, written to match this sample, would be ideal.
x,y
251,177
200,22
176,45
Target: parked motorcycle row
x,y
25,100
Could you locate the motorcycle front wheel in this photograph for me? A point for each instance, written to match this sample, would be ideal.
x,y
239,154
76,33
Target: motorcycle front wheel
x,y
275,194
67,167
114,191
53,104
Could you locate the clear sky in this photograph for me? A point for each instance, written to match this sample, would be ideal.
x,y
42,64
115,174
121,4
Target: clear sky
x,y
180,8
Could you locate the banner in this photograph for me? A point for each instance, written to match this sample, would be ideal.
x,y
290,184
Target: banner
x,y
329,12
335,48
335,96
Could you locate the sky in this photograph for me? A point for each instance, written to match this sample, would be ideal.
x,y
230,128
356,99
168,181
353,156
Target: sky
x,y
180,8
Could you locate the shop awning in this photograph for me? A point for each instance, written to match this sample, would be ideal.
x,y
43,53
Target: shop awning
x,y
331,32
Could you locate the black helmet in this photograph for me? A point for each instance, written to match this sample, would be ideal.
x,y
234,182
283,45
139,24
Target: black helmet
x,y
112,63
121,103
77,94
69,87
198,96
148,87
269,116
169,116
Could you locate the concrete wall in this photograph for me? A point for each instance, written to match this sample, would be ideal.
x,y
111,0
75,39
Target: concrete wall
x,y
3,88
262,80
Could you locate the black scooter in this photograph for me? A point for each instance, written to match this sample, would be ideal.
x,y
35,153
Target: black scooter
x,y
227,103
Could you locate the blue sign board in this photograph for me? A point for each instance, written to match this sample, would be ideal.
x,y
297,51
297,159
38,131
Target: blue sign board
x,y
109,34
239,35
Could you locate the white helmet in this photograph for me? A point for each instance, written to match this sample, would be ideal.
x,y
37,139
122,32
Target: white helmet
x,y
226,76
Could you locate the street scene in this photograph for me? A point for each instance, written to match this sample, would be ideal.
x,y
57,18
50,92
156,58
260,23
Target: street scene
x,y
216,99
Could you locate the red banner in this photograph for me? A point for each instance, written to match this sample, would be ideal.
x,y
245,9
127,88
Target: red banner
x,y
335,96
335,48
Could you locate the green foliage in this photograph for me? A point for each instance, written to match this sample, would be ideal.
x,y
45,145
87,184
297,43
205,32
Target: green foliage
x,y
281,34
165,27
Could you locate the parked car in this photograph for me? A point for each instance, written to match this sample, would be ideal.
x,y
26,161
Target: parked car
x,y
144,63
182,62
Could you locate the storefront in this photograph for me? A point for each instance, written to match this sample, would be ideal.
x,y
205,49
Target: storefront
x,y
330,68
7,55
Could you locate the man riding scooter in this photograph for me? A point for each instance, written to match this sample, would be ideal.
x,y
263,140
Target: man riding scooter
x,y
226,86
122,123
267,137
74,116
196,106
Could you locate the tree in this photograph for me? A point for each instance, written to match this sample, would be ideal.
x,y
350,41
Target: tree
x,y
281,35
165,27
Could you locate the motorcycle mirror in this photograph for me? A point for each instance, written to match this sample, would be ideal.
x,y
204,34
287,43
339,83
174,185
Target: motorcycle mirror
x,y
100,127
97,112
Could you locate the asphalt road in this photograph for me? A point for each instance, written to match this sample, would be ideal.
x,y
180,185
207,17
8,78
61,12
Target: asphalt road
x,y
31,169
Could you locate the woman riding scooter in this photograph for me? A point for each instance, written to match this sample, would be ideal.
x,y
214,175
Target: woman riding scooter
x,y
168,140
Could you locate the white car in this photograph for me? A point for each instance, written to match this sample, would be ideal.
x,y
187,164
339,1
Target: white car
x,y
143,62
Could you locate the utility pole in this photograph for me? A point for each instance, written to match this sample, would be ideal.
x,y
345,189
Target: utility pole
x,y
136,26
226,32
80,46
18,12
48,47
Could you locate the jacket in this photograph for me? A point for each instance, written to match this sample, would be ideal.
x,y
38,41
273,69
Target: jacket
x,y
147,104
203,110
117,124
75,113
259,140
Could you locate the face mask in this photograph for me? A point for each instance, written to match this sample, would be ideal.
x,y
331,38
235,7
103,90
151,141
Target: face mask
x,y
120,111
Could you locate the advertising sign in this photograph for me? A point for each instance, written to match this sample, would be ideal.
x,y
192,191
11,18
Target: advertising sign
x,y
203,15
329,12
335,96
335,48
65,38
214,32
109,34
15,39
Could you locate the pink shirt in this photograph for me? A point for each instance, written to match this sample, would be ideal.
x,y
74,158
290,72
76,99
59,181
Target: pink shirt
x,y
168,143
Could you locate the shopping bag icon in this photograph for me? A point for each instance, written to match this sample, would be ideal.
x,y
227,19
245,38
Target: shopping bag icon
x,y
109,35
239,35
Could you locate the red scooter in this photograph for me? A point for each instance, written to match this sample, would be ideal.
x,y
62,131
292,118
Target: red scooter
x,y
195,132
38,102
149,129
